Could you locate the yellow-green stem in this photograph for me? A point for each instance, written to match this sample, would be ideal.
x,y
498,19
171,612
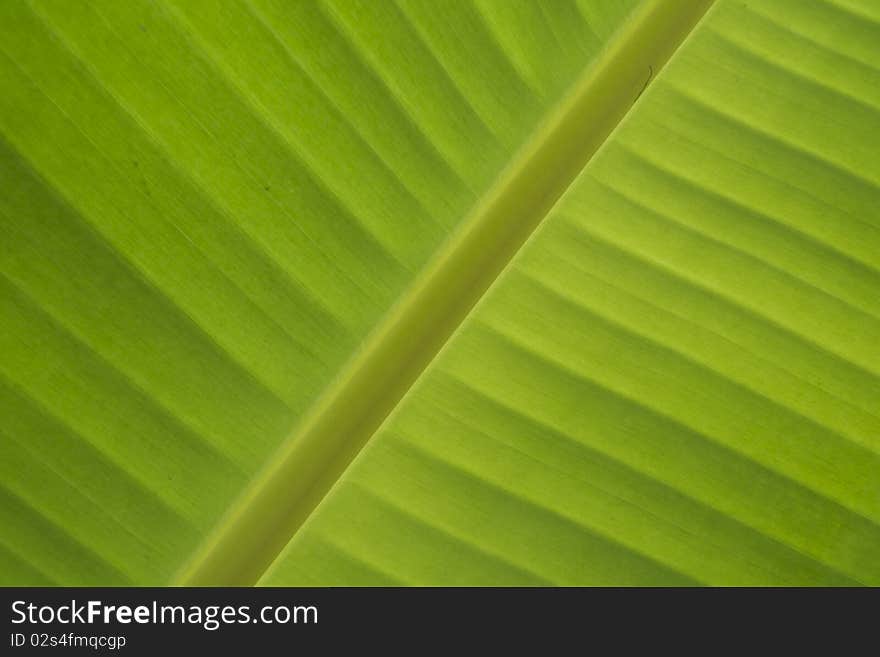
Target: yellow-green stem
x,y
283,496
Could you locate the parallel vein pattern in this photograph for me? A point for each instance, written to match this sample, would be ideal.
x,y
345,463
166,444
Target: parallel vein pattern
x,y
206,207
322,447
677,380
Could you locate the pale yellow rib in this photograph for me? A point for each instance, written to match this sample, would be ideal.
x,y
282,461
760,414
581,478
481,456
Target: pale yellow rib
x,y
283,496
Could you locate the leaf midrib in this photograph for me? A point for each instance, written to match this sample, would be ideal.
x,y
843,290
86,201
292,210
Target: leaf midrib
x,y
317,453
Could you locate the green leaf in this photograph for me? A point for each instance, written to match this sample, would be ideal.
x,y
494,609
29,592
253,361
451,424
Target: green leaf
x,y
242,240
675,382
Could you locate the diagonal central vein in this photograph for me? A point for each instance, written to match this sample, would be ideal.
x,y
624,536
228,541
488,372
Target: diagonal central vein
x,y
312,459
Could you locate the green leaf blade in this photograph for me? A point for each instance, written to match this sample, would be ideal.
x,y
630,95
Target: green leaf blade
x,y
682,360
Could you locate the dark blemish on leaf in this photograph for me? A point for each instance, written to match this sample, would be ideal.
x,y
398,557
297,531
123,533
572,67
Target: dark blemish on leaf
x,y
266,188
